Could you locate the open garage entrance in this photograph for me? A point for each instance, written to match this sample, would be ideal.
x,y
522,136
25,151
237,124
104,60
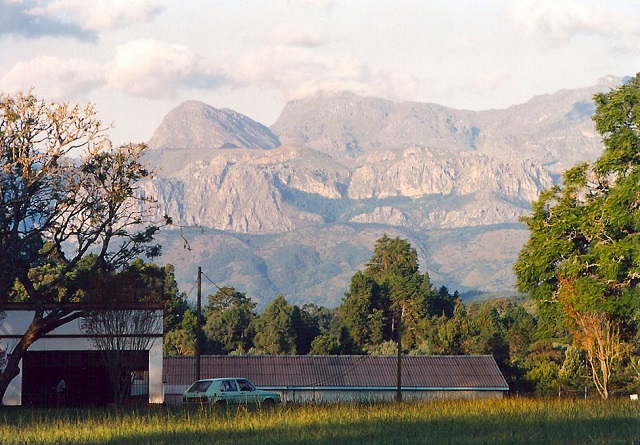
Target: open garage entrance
x,y
86,378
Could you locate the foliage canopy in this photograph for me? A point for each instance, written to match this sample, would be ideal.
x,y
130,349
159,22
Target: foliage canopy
x,y
71,213
582,261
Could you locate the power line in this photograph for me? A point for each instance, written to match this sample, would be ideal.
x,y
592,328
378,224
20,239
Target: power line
x,y
192,287
211,281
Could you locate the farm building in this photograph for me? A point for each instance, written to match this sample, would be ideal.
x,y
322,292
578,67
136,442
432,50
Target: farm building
x,y
78,353
345,378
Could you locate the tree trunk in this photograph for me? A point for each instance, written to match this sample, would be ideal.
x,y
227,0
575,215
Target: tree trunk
x,y
39,327
13,363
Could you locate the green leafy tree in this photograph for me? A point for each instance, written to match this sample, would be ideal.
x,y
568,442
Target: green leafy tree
x,y
179,319
572,373
335,340
274,328
389,293
582,261
309,322
488,336
181,340
55,210
177,305
325,344
440,301
451,334
542,367
521,331
230,315
365,310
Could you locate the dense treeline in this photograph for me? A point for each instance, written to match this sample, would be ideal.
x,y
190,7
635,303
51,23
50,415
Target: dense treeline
x,y
391,292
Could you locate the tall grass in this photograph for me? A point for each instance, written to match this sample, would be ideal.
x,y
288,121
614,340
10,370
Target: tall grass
x,y
509,421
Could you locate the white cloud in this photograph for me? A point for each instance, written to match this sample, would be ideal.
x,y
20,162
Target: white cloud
x,y
298,72
324,4
99,15
559,22
465,42
486,83
54,78
157,69
148,68
294,35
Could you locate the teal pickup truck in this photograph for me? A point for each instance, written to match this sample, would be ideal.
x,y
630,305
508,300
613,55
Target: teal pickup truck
x,y
228,391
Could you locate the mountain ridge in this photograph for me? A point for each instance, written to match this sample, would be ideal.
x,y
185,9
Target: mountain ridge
x,y
215,128
341,170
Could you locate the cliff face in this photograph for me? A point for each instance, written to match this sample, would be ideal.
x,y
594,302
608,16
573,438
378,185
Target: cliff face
x,y
304,215
254,194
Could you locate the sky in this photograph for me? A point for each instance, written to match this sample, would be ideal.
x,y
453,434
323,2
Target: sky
x,y
137,59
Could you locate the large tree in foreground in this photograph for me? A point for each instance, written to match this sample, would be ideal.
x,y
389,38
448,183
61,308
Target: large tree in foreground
x,y
582,261
56,209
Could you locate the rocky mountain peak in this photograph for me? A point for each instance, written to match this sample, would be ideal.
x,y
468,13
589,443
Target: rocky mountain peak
x,y
300,219
195,125
348,125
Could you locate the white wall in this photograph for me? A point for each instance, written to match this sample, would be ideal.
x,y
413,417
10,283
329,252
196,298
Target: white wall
x,y
173,395
365,395
17,322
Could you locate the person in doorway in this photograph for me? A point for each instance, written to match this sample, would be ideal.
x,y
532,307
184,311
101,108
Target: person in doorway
x,y
61,391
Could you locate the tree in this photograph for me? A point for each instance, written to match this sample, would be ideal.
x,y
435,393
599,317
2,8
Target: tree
x,y
230,315
390,292
440,301
334,338
121,332
451,334
176,305
488,336
129,314
274,327
121,336
365,311
181,340
55,210
309,322
582,261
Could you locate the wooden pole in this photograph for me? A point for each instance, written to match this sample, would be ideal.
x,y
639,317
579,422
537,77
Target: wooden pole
x,y
399,364
198,323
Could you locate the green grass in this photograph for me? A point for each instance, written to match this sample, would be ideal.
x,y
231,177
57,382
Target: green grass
x,y
509,421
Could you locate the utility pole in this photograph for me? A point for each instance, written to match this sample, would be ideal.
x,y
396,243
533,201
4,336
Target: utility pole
x,y
399,365
198,323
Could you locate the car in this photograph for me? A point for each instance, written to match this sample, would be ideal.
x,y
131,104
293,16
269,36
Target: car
x,y
228,391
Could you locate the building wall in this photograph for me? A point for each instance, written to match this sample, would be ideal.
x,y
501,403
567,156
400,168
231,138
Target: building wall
x,y
378,395
173,394
68,337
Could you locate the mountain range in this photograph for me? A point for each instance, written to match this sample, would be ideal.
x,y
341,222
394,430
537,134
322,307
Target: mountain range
x,y
296,208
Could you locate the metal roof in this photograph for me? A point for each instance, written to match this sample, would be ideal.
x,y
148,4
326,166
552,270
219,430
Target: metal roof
x,y
478,372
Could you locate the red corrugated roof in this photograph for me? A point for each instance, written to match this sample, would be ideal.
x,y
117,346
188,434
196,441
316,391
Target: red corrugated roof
x,y
348,371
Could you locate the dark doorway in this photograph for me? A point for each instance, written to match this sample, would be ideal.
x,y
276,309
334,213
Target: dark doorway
x,y
85,374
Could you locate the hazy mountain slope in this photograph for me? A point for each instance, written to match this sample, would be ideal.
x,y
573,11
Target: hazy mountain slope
x,y
196,125
301,217
347,125
554,130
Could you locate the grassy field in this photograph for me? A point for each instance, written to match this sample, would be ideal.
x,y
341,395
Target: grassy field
x,y
509,421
